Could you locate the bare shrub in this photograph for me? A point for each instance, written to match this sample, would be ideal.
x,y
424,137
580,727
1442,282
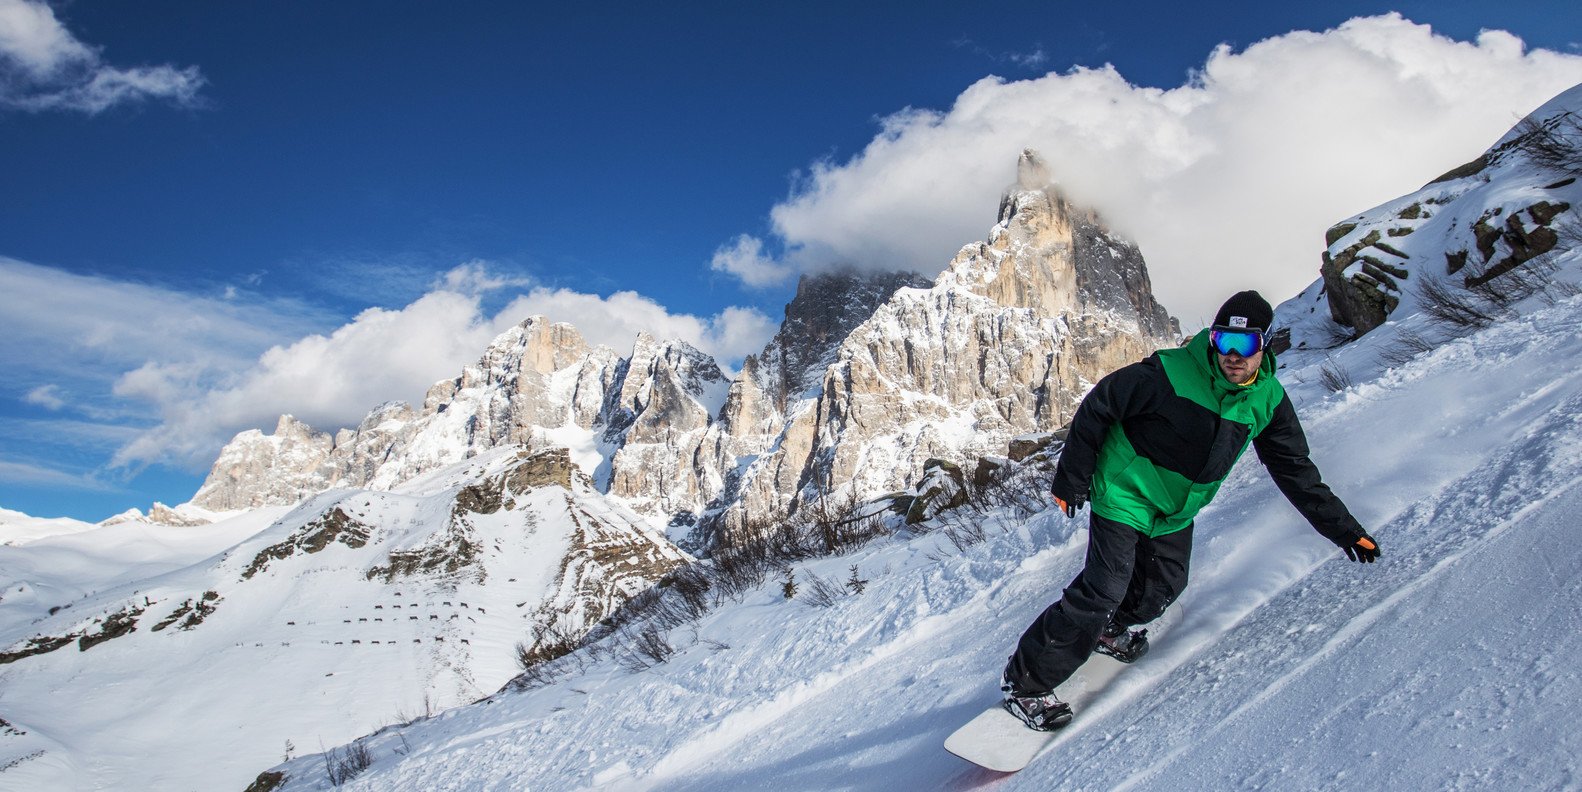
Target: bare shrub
x,y
963,528
681,597
1555,143
1334,377
645,648
1019,491
549,642
828,525
1338,335
1406,347
344,766
1454,309
822,593
740,569
1504,290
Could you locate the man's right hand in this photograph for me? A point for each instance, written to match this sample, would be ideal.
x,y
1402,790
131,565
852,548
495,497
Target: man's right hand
x,y
1364,550
1068,500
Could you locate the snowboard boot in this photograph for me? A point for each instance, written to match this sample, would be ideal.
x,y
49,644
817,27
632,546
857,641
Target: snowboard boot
x,y
1122,644
1040,711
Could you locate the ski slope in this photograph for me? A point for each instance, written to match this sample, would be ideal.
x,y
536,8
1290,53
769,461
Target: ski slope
x,y
1448,665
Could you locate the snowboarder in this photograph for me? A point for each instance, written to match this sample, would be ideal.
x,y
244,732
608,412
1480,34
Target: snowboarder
x,y
1148,448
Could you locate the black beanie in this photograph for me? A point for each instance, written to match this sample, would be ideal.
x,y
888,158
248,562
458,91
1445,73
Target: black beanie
x,y
1245,309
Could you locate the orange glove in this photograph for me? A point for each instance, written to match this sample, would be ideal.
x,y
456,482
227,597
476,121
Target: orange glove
x,y
1365,550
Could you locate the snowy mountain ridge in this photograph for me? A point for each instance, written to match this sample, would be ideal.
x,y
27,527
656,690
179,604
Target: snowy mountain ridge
x,y
862,362
403,499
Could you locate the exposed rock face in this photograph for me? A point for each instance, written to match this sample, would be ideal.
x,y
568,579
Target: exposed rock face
x,y
1005,343
257,470
827,308
538,385
657,419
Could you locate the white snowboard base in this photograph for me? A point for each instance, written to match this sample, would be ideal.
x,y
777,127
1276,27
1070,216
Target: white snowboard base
x,y
998,740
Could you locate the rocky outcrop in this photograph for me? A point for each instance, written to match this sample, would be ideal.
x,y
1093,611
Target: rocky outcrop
x,y
656,420
334,526
1479,222
1522,237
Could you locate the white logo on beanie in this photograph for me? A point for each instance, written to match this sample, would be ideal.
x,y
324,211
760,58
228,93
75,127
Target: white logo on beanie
x,y
1238,321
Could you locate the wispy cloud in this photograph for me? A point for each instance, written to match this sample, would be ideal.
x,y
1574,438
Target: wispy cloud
x,y
63,328
46,396
86,438
44,67
30,474
1030,59
1227,181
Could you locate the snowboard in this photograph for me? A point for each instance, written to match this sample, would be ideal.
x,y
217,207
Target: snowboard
x,y
1000,741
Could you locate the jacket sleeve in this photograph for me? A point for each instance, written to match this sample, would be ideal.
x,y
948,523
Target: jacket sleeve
x,y
1130,390
1282,447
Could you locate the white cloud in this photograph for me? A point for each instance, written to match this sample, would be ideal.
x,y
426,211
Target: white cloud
x,y
614,321
46,396
474,277
327,380
1226,182
333,379
744,258
44,67
31,36
197,369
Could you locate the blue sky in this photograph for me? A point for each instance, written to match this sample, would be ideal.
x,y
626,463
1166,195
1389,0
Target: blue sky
x,y
372,190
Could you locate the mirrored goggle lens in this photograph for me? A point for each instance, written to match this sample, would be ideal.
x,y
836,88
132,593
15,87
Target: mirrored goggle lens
x,y
1244,344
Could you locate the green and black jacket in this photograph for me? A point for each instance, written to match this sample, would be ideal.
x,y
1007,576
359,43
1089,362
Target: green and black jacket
x,y
1156,439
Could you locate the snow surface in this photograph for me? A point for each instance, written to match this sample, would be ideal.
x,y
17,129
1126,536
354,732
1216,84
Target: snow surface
x,y
311,648
1448,665
19,528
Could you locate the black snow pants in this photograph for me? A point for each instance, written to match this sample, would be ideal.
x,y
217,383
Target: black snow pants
x,y
1128,576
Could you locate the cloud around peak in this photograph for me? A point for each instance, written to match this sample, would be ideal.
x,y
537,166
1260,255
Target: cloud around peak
x,y
1227,181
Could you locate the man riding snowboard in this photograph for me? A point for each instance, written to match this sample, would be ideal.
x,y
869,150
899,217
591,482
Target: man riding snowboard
x,y
1148,448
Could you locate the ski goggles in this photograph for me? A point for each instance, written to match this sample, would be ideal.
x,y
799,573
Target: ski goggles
x,y
1240,340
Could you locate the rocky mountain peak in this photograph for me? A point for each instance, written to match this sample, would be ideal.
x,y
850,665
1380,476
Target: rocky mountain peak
x,y
1004,343
1032,173
827,307
1051,254
255,469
